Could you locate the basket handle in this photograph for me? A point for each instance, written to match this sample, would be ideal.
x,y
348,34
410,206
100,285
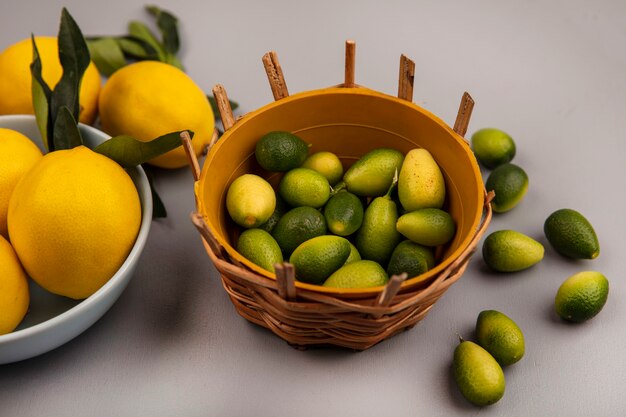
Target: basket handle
x,y
198,220
275,75
406,78
464,114
228,120
350,64
191,155
223,105
286,280
390,291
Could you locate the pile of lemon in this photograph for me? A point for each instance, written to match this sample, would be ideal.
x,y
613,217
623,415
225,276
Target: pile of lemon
x,y
145,99
339,229
68,219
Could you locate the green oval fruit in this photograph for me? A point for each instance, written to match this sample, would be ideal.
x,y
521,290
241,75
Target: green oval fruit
x,y
377,237
511,251
429,227
281,151
354,254
280,209
317,258
510,184
259,247
298,225
373,173
327,164
358,274
343,213
250,200
421,183
582,296
571,235
304,187
477,374
500,336
411,258
493,147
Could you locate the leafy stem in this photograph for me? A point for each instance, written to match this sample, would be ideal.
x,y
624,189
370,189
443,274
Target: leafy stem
x,y
111,53
57,110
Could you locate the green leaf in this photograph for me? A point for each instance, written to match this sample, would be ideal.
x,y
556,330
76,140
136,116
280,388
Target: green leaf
x,y
137,48
158,208
74,57
129,152
141,31
173,60
168,25
216,111
66,133
107,54
41,98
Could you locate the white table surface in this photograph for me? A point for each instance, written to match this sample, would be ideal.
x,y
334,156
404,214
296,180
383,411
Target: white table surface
x,y
552,74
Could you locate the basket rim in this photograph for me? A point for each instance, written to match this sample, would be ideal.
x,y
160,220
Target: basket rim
x,y
411,282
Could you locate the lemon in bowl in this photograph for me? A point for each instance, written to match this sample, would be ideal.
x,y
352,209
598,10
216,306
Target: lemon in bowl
x,y
53,320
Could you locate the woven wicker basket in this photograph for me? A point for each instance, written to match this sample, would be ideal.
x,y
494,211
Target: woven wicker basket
x,y
348,120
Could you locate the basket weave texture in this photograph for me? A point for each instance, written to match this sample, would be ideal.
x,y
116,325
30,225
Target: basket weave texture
x,y
307,318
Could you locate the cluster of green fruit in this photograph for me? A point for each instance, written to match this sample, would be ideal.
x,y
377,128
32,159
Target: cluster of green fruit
x,y
341,230
495,150
477,367
567,231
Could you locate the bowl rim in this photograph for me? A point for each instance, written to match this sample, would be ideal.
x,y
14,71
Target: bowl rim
x,y
411,282
117,278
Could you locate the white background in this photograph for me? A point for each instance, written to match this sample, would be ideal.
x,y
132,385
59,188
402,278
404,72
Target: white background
x,y
551,73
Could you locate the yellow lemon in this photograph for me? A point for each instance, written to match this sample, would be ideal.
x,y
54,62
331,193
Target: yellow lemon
x,y
148,99
14,296
17,155
16,79
73,219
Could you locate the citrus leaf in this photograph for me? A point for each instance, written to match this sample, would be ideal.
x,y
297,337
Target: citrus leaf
x,y
74,57
137,48
173,60
141,31
158,208
168,25
129,152
41,98
107,54
66,133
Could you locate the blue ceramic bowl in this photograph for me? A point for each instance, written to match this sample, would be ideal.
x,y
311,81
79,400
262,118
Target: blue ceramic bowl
x,y
54,320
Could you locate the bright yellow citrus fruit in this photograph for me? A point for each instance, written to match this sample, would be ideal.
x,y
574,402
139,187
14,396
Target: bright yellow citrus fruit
x,y
17,155
14,296
73,219
149,99
16,79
